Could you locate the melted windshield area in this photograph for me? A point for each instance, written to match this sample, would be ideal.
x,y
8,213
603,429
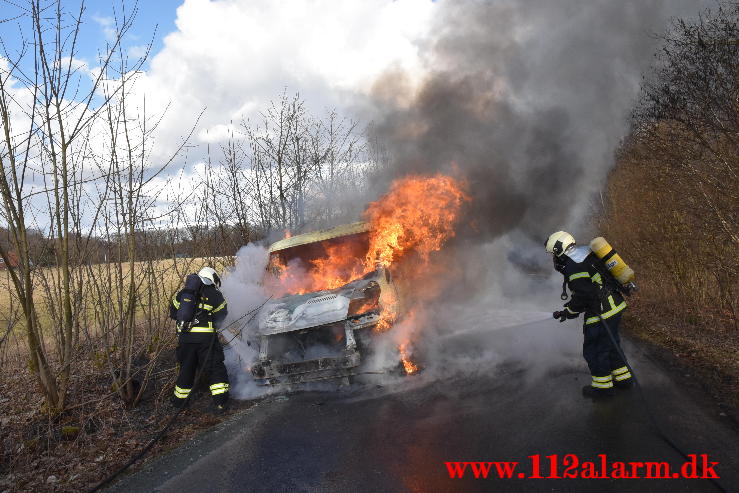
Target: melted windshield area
x,y
318,266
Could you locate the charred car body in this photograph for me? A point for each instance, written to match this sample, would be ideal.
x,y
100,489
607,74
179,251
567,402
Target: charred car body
x,y
323,334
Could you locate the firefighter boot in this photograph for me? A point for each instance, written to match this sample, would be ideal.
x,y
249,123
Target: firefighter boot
x,y
596,393
622,378
178,403
220,403
624,384
218,408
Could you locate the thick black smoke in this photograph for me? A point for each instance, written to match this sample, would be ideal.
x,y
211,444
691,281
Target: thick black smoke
x,y
529,99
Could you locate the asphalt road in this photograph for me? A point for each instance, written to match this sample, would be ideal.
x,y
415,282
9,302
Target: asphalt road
x,y
516,400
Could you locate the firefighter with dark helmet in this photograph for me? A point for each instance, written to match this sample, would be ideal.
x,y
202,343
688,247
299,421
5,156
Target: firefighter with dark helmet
x,y
199,308
596,296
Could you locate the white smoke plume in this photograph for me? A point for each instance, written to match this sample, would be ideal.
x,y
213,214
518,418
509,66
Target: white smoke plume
x,y
242,287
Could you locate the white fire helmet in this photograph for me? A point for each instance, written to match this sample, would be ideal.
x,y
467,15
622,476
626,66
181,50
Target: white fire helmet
x,y
559,242
209,276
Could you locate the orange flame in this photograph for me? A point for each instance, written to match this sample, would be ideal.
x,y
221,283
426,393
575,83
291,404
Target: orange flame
x,y
409,366
336,267
389,314
417,215
407,225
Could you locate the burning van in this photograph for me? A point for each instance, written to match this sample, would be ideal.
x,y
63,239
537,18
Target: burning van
x,y
328,307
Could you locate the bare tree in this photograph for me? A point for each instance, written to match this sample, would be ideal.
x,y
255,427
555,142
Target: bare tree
x,y
47,111
692,102
293,168
678,179
76,165
338,169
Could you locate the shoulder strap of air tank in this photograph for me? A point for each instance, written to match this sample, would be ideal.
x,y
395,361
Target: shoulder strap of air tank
x,y
197,311
199,297
610,284
608,256
564,296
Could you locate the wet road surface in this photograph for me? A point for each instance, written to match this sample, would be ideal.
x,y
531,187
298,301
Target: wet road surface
x,y
397,437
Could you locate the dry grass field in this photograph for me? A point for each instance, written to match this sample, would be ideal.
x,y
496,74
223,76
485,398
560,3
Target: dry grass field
x,y
103,291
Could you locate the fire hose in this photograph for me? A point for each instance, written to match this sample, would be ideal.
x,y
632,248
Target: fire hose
x,y
158,436
643,399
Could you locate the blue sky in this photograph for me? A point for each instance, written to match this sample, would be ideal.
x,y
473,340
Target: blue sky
x,y
98,18
152,15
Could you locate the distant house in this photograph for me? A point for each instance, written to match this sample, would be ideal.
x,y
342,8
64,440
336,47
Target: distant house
x,y
12,259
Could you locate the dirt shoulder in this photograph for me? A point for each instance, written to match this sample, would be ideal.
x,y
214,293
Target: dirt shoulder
x,y
698,357
73,451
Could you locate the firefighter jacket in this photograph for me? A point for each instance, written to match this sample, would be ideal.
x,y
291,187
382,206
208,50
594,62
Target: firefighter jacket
x,y
210,313
591,293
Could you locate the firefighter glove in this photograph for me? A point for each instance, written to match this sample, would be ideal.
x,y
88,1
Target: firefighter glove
x,y
562,316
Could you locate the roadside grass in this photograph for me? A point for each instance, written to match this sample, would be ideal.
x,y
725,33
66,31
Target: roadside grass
x,y
657,219
74,450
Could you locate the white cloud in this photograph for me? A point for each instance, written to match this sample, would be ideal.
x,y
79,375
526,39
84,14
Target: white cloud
x,y
234,56
107,25
231,57
137,51
76,65
217,133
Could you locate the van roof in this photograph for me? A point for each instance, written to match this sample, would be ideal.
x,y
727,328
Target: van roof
x,y
321,235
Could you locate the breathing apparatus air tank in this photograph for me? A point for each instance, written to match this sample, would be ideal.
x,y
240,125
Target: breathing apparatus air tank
x,y
614,263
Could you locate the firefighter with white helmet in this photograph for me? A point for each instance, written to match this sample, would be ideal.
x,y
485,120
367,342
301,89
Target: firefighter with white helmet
x,y
595,294
199,308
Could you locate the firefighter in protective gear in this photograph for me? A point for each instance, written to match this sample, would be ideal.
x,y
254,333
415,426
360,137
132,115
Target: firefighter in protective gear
x,y
199,308
595,295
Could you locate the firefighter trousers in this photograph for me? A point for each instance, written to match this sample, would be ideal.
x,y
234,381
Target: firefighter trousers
x,y
606,364
192,356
